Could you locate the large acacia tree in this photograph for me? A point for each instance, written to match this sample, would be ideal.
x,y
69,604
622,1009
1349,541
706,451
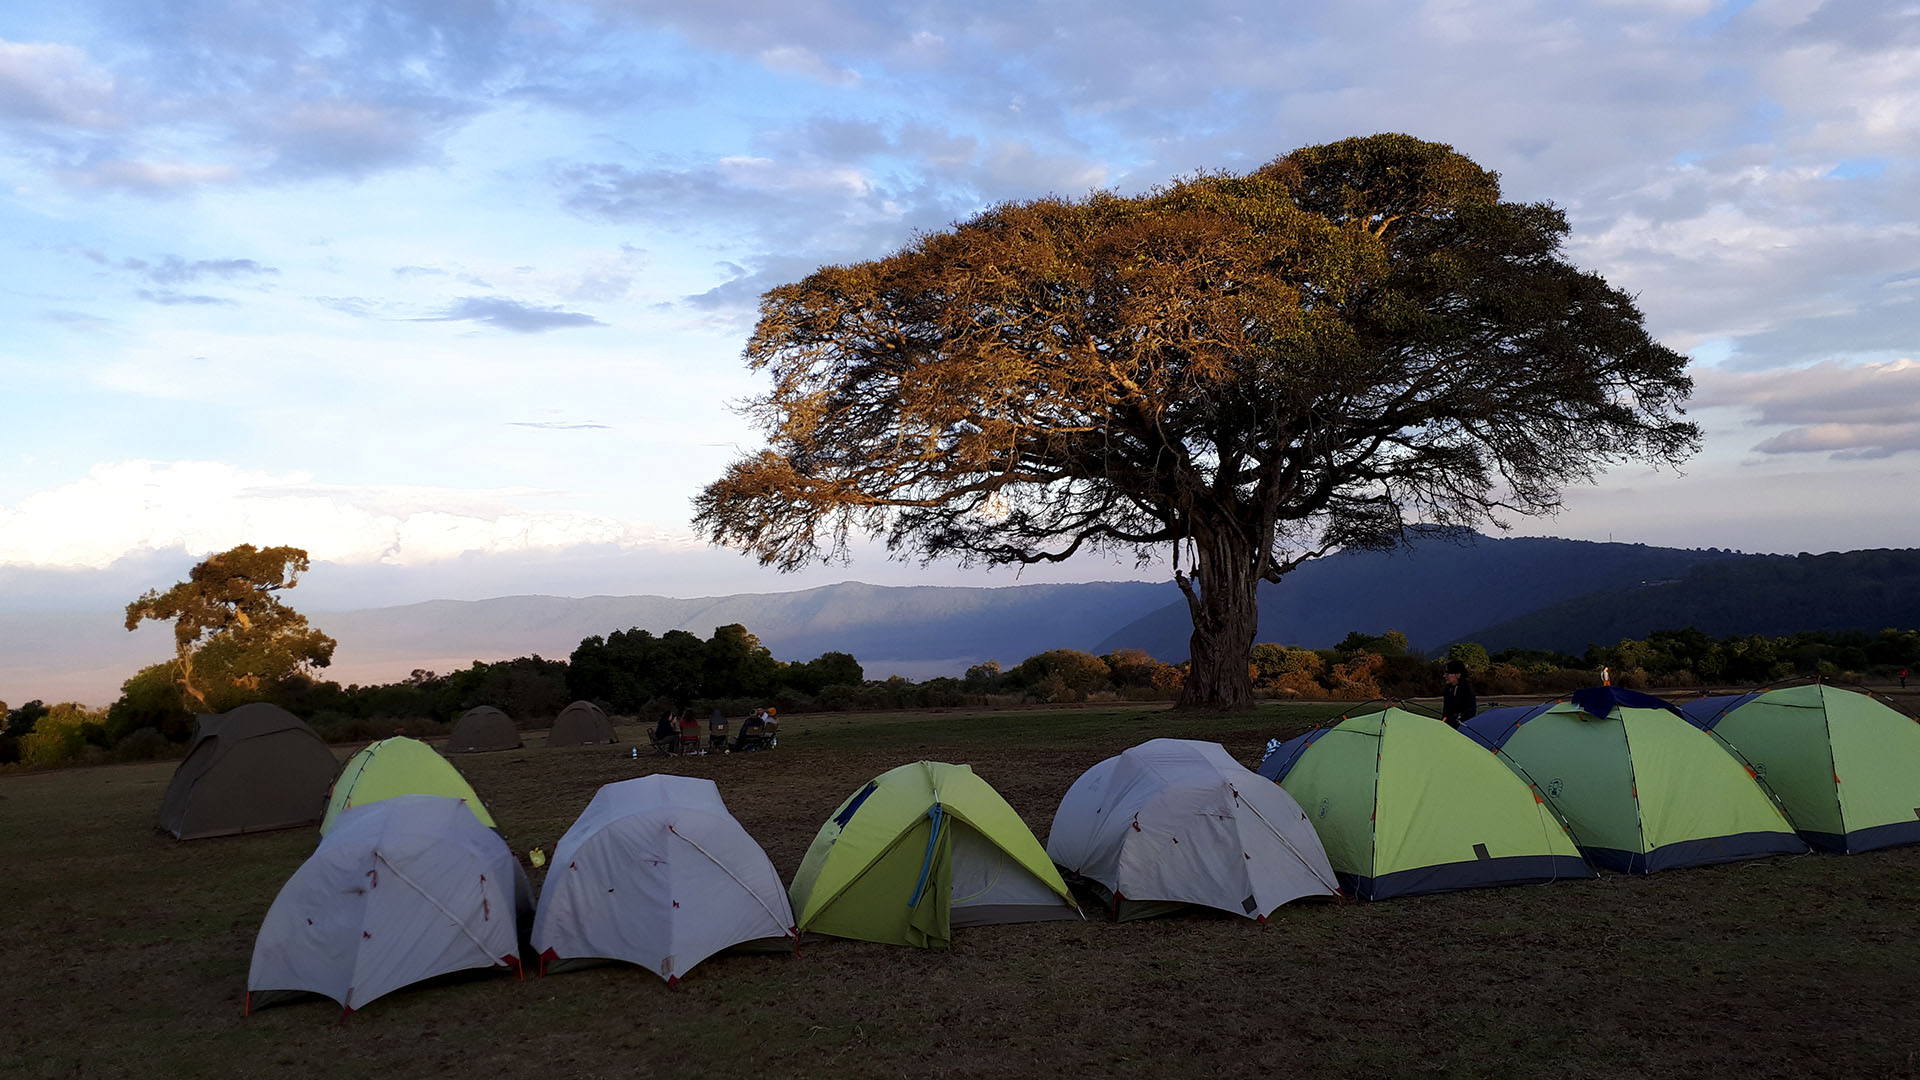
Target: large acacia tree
x,y
1247,371
234,640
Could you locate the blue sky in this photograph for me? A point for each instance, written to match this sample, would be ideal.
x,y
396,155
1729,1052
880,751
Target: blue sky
x,y
453,293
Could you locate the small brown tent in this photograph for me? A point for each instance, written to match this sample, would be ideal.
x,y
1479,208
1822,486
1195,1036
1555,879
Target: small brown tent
x,y
253,769
480,729
579,724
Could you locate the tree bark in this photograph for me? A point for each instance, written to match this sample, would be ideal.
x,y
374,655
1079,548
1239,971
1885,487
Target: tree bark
x,y
1221,597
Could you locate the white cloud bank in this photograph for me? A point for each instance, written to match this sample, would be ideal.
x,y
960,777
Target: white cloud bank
x,y
207,506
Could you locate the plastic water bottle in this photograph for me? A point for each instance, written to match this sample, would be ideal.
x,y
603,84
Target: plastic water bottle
x,y
636,753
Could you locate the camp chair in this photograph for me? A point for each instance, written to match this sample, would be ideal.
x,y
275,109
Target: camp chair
x,y
759,733
664,744
689,742
717,733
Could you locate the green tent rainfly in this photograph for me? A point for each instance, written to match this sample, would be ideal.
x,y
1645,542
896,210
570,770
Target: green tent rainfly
x,y
398,766
1845,767
1405,805
1639,787
919,850
256,768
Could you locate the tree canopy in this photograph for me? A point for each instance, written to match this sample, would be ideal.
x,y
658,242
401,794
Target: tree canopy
x,y
233,637
1245,371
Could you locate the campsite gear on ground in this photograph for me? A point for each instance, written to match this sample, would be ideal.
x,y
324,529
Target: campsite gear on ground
x,y
1640,788
581,724
1845,767
658,873
399,891
1405,804
255,768
1173,823
919,850
481,729
398,766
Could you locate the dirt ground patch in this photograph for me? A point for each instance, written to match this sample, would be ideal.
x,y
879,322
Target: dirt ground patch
x,y
127,952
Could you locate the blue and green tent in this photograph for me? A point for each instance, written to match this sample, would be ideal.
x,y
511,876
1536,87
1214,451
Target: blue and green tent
x,y
1844,766
1640,788
1403,805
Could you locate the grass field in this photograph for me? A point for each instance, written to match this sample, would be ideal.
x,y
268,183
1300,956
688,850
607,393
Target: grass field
x,y
126,953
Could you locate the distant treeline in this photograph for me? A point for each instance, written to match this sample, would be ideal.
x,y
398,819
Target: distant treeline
x,y
633,673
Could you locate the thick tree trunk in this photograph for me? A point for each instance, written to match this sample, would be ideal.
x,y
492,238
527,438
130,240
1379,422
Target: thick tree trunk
x,y
1221,597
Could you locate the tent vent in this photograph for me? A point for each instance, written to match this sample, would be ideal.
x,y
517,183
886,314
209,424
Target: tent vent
x,y
1249,904
1480,852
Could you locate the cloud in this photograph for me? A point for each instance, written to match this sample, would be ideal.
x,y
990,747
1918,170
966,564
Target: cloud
x,y
54,84
174,270
559,425
167,297
1851,411
203,506
157,178
797,60
511,315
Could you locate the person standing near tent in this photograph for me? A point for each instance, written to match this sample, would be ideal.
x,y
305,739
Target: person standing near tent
x,y
1457,703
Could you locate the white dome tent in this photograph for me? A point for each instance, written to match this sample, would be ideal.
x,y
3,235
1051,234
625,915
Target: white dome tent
x,y
657,872
400,890
1173,822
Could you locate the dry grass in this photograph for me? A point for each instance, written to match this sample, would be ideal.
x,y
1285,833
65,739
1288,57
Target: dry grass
x,y
127,953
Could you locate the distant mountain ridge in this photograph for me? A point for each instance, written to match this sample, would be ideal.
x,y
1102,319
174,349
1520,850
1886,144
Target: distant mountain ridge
x,y
910,626
1775,595
1444,587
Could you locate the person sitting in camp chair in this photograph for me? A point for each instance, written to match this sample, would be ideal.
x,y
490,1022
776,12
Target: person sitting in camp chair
x,y
717,733
665,736
752,733
689,736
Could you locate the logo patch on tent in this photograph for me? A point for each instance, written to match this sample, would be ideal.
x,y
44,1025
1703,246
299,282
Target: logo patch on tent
x,y
1555,787
1323,809
1480,852
1249,904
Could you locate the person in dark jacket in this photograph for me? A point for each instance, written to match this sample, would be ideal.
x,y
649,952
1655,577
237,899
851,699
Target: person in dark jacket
x,y
1457,704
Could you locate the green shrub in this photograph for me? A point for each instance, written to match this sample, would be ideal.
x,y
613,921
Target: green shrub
x,y
144,744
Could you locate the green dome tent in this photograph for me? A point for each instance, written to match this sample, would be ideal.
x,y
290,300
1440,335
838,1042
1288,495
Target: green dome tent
x,y
483,728
1640,788
1845,767
1405,805
580,724
398,766
253,769
919,850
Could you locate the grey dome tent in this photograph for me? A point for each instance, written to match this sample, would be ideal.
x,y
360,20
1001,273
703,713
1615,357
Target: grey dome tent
x,y
256,768
403,889
580,724
483,728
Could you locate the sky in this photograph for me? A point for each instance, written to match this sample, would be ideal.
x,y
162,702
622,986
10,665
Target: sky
x,y
453,293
